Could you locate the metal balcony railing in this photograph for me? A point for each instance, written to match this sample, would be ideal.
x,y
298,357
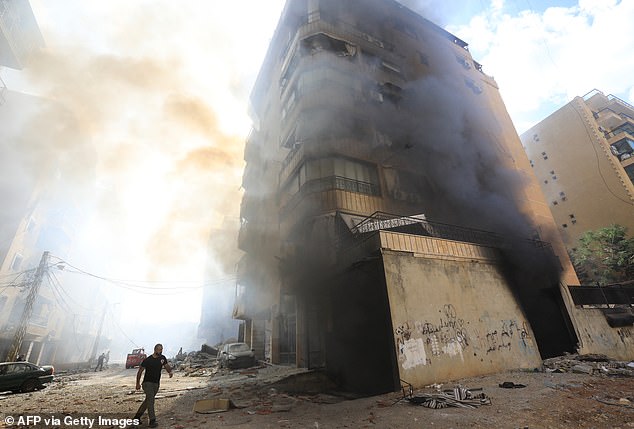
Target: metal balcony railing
x,y
381,220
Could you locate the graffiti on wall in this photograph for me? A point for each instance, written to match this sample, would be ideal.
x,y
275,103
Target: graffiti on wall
x,y
509,333
419,341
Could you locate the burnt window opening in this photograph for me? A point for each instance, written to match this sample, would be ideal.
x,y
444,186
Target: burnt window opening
x,y
554,177
572,216
573,221
546,181
323,43
391,92
555,203
535,137
473,86
532,163
478,66
623,149
565,225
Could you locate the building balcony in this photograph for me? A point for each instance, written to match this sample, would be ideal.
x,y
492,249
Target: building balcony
x,y
331,194
608,119
623,147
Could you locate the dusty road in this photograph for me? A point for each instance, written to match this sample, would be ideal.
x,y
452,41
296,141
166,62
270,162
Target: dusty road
x,y
278,397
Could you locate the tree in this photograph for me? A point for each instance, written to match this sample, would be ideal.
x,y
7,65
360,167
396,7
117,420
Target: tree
x,y
604,256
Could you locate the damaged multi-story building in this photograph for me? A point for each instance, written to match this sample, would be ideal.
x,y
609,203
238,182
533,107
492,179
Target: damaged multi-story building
x,y
47,166
392,228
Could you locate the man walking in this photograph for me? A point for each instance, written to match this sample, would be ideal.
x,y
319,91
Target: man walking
x,y
100,362
152,365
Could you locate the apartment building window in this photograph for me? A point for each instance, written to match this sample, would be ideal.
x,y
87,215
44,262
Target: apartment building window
x,y
630,172
623,149
625,128
463,62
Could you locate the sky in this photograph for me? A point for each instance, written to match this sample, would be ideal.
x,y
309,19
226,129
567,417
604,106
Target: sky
x,y
163,89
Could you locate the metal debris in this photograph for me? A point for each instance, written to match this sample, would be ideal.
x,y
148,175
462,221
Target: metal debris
x,y
458,397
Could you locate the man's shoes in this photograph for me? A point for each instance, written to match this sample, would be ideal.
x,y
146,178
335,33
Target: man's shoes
x,y
153,424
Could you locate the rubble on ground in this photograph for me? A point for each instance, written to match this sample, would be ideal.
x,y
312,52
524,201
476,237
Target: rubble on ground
x,y
592,364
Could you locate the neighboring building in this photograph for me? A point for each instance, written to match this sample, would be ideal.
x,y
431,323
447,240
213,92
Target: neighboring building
x,y
20,35
380,154
48,168
583,157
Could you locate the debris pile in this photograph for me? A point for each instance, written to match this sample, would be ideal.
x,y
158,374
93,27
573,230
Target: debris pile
x,y
458,397
592,364
196,364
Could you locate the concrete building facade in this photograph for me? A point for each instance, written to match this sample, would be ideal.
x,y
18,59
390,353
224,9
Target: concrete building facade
x,y
583,157
390,222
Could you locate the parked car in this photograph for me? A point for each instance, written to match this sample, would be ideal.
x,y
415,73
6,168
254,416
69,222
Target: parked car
x,y
24,376
135,358
236,355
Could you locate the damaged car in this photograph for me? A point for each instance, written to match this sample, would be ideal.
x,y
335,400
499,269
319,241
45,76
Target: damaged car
x,y
24,376
236,355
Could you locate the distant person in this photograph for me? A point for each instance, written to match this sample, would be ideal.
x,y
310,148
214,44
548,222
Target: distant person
x,y
106,359
152,365
100,362
20,358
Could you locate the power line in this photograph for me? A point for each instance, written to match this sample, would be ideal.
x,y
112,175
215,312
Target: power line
x,y
143,286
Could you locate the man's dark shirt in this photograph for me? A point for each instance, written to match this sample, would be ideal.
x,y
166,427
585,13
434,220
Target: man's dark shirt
x,y
153,368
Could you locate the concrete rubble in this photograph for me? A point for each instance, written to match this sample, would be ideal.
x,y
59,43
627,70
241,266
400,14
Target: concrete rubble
x,y
592,364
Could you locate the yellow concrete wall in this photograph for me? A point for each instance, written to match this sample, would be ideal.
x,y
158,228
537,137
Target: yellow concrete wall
x,y
453,315
596,336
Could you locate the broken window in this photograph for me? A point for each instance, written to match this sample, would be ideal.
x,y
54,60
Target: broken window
x,y
322,42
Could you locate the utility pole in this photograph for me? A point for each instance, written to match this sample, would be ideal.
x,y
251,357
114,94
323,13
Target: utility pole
x,y
28,308
95,347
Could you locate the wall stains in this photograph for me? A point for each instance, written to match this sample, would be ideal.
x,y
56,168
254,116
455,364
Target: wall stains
x,y
449,337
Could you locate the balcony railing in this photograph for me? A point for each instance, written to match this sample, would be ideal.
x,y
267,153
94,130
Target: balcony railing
x,y
380,220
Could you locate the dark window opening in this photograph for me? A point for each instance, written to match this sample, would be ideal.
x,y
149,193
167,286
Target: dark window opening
x,y
623,149
324,43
